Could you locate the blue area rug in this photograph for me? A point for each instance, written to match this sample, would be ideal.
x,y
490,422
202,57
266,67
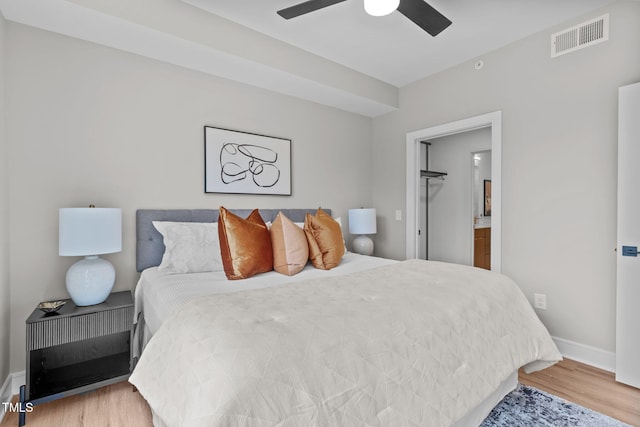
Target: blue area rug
x,y
528,406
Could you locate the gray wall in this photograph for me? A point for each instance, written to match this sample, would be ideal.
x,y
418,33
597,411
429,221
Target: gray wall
x,y
559,164
90,124
5,306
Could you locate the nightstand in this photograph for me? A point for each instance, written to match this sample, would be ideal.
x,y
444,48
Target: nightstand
x,y
77,349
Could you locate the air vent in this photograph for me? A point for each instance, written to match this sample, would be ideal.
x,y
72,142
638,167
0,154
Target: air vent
x,y
583,35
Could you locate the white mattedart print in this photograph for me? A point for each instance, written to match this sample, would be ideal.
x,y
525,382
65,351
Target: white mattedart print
x,y
246,163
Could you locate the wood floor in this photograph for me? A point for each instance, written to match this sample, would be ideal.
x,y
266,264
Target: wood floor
x,y
590,387
116,405
119,406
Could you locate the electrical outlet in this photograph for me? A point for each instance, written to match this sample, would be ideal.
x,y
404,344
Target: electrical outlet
x,y
540,301
398,215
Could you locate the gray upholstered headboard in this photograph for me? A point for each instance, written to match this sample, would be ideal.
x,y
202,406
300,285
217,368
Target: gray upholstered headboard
x,y
149,245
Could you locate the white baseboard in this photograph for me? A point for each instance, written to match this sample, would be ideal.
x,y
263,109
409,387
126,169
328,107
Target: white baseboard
x,y
586,354
5,395
10,388
18,379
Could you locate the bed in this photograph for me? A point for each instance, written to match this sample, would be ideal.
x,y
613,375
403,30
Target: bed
x,y
369,342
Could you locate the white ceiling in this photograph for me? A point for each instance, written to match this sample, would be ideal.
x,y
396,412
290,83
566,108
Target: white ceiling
x,y
338,56
392,48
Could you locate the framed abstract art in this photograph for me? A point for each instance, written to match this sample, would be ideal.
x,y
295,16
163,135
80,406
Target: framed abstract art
x,y
246,163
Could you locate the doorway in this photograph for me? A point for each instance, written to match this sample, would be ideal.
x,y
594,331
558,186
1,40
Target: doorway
x,y
491,121
450,203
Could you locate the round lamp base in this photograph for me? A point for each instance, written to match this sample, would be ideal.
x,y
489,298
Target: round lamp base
x,y
90,280
363,245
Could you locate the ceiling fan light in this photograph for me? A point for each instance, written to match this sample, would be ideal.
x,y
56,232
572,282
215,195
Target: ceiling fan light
x,y
380,7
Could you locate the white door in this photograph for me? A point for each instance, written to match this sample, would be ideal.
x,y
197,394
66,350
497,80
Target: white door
x,y
628,259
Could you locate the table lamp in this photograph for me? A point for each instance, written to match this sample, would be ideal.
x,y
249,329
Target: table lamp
x,y
90,232
362,222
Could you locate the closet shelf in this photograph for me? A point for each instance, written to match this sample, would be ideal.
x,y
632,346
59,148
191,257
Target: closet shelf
x,y
432,174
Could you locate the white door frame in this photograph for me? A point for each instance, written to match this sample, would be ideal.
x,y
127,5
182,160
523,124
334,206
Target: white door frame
x,y
493,120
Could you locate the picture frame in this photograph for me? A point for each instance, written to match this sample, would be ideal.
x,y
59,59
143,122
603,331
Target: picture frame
x,y
487,197
239,162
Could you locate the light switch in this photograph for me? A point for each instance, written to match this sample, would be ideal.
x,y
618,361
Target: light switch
x,y
398,215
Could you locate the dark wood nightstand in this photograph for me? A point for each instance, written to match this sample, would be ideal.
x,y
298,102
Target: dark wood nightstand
x,y
77,349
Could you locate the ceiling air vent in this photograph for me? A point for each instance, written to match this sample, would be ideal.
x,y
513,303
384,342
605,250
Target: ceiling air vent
x,y
583,35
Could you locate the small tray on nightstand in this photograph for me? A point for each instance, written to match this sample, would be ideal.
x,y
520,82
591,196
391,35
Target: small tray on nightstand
x,y
51,306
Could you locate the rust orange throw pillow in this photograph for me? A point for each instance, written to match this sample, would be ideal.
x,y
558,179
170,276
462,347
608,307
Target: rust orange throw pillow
x,y
245,245
326,245
290,247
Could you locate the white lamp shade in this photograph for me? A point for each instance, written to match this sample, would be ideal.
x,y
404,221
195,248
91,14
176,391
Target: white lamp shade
x,y
362,221
89,231
380,7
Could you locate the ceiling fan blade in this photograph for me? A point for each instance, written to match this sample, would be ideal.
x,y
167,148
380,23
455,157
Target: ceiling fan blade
x,y
423,15
306,7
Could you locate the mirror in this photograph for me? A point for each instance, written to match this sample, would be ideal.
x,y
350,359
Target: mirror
x,y
487,197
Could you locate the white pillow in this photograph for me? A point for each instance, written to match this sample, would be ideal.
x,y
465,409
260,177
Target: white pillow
x,y
338,220
190,247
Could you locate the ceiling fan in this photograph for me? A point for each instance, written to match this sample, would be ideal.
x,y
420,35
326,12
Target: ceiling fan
x,y
422,14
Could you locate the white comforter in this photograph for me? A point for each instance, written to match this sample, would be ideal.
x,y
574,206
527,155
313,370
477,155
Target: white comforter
x,y
415,343
159,295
